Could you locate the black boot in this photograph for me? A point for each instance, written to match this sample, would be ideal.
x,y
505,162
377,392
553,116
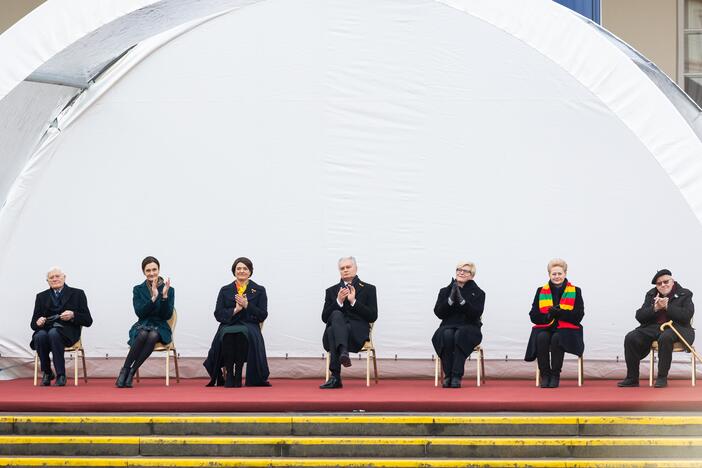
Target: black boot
x,y
629,382
447,382
122,377
229,380
661,381
46,378
455,382
545,379
555,380
237,374
130,376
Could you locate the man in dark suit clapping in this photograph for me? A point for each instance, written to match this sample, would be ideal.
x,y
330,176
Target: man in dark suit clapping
x,y
350,306
59,314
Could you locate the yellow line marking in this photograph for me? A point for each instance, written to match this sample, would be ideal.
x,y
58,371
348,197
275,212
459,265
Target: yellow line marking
x,y
438,441
347,462
530,420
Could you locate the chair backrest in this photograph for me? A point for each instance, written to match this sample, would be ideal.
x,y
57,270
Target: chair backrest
x,y
172,321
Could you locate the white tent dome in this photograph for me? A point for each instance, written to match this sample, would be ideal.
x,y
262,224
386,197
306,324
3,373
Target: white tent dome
x,y
409,133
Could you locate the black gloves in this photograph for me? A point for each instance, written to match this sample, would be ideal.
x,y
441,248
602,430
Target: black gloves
x,y
459,296
454,294
554,313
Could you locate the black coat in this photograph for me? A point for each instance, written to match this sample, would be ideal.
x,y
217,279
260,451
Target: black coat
x,y
71,299
571,339
466,317
680,309
255,313
359,317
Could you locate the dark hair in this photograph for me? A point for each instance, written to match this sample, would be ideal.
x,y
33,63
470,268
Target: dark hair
x,y
148,260
245,261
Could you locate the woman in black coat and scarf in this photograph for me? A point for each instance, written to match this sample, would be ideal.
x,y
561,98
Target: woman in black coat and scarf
x,y
242,306
556,313
460,308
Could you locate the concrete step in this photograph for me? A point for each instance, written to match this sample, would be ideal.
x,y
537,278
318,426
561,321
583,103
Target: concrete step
x,y
375,447
355,425
346,462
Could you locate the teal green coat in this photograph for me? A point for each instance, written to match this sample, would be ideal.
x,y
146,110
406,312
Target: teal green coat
x,y
152,314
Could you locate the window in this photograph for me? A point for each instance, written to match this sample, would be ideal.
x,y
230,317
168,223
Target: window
x,y
692,50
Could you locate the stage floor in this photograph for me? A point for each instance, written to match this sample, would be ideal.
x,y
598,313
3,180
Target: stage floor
x,y
191,395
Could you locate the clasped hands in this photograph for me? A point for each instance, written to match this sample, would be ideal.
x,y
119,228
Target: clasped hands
x,y
455,295
154,289
347,292
660,303
66,315
554,312
241,303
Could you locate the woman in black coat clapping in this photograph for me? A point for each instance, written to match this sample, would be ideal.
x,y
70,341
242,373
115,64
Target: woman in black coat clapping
x,y
460,308
242,306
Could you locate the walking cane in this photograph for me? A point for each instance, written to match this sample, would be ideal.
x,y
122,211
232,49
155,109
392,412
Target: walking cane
x,y
692,350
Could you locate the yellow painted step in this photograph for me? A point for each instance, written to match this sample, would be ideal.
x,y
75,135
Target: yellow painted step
x,y
361,419
332,440
346,462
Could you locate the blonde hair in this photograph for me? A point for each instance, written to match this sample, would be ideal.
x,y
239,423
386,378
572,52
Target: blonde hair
x,y
470,266
557,262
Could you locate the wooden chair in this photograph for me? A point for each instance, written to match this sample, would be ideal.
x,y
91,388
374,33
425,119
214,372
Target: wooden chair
x,y
75,348
479,368
369,349
678,347
580,372
168,349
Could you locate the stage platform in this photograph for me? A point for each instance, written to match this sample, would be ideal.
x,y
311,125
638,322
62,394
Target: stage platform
x,y
191,395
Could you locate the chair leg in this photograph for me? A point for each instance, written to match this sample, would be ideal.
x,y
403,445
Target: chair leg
x,y
482,365
477,369
175,361
375,367
75,368
694,369
437,364
168,369
137,375
326,370
538,376
368,353
652,361
580,371
36,367
85,369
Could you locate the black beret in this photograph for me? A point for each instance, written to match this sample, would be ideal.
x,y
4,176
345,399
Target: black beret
x,y
660,273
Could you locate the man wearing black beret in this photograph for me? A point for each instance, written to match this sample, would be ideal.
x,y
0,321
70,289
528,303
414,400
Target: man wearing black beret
x,y
667,301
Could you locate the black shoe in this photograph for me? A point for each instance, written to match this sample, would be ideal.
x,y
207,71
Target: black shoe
x,y
333,382
545,380
130,376
60,380
446,383
555,381
661,382
229,380
629,382
237,375
119,383
46,378
455,382
345,359
216,381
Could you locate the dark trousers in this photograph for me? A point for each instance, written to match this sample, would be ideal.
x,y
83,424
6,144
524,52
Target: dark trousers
x,y
338,339
141,349
453,358
637,345
235,350
549,352
50,341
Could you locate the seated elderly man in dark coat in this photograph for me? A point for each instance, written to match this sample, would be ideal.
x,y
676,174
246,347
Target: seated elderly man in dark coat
x,y
59,314
667,301
460,308
350,306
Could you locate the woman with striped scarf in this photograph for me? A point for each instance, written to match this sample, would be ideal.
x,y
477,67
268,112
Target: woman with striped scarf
x,y
556,313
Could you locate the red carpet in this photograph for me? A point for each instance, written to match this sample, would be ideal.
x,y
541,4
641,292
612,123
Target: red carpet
x,y
151,395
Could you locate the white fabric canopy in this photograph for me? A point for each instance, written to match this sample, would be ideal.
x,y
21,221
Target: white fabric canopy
x,y
410,134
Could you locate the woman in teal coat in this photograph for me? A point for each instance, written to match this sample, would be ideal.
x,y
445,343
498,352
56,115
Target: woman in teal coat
x,y
153,304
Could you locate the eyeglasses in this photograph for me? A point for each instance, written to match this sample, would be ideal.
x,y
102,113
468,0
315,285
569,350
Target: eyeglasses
x,y
664,282
463,271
